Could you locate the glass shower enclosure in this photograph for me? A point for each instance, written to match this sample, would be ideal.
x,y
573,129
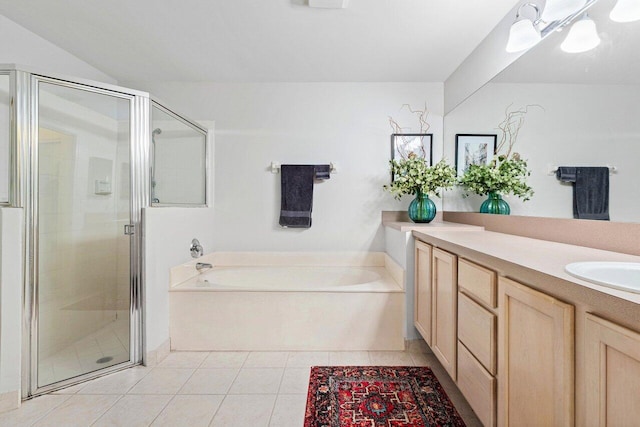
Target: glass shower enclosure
x,y
79,165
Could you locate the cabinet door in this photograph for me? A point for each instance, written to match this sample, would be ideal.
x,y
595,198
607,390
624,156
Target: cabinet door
x,y
444,309
536,358
612,374
422,280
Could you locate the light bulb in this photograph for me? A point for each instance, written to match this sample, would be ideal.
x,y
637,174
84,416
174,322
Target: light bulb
x,y
556,10
522,35
583,36
625,11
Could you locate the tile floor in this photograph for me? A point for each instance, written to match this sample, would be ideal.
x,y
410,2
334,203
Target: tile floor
x,y
80,357
238,389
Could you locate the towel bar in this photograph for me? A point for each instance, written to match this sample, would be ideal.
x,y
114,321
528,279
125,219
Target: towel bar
x,y
553,168
275,167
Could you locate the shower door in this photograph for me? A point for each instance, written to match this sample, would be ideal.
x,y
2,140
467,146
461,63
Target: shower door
x,y
83,247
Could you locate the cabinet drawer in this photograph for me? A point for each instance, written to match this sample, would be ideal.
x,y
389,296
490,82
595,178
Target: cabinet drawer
x,y
477,331
477,386
477,281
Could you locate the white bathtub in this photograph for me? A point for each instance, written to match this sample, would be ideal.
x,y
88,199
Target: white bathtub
x,y
272,306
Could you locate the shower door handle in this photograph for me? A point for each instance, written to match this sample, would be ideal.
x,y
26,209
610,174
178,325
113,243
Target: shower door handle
x,y
129,229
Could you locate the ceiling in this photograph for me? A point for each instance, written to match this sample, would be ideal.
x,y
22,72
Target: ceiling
x,y
264,40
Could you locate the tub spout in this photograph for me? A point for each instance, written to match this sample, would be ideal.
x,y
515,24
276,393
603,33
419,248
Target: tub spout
x,y
203,266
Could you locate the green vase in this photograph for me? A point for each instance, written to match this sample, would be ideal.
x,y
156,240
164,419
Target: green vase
x,y
495,205
422,209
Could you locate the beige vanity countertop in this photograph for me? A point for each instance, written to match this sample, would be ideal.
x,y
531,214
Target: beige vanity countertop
x,y
539,255
434,225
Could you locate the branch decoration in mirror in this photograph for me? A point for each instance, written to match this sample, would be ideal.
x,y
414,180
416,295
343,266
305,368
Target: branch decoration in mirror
x,y
506,173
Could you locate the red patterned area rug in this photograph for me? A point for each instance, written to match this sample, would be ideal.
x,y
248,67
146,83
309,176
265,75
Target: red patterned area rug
x,y
377,396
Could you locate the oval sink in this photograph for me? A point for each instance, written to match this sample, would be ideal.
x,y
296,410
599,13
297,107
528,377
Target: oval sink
x,y
619,275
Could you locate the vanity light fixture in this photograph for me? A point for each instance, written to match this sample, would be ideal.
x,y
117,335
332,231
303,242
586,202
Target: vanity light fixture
x,y
556,10
626,11
523,34
583,36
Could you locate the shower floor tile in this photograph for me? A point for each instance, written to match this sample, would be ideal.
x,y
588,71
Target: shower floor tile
x,y
85,354
211,389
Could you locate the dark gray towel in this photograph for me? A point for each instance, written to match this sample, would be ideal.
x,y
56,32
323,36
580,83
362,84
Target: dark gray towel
x,y
566,173
591,193
296,201
322,171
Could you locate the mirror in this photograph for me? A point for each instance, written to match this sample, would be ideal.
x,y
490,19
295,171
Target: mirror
x,y
179,158
590,116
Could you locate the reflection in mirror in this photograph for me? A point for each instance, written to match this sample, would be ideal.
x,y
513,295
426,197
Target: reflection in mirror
x,y
591,114
4,137
178,174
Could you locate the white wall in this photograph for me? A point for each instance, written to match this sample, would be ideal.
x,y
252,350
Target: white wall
x,y
344,123
487,60
21,46
581,125
168,234
11,222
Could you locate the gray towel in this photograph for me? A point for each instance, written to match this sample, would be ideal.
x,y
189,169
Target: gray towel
x,y
566,173
591,193
323,171
590,190
296,201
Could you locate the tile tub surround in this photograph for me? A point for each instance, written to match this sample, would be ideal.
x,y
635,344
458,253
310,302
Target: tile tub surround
x,y
212,391
367,316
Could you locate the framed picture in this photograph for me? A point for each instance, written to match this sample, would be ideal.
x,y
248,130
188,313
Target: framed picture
x,y
403,144
474,150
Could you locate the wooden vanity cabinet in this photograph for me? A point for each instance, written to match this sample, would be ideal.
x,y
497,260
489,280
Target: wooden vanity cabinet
x,y
444,310
422,280
477,346
513,350
612,369
436,299
535,358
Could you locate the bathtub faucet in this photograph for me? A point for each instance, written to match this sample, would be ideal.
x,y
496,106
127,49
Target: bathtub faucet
x,y
203,266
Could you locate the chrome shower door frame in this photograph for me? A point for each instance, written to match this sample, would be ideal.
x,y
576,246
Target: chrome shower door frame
x,y
25,194
155,103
